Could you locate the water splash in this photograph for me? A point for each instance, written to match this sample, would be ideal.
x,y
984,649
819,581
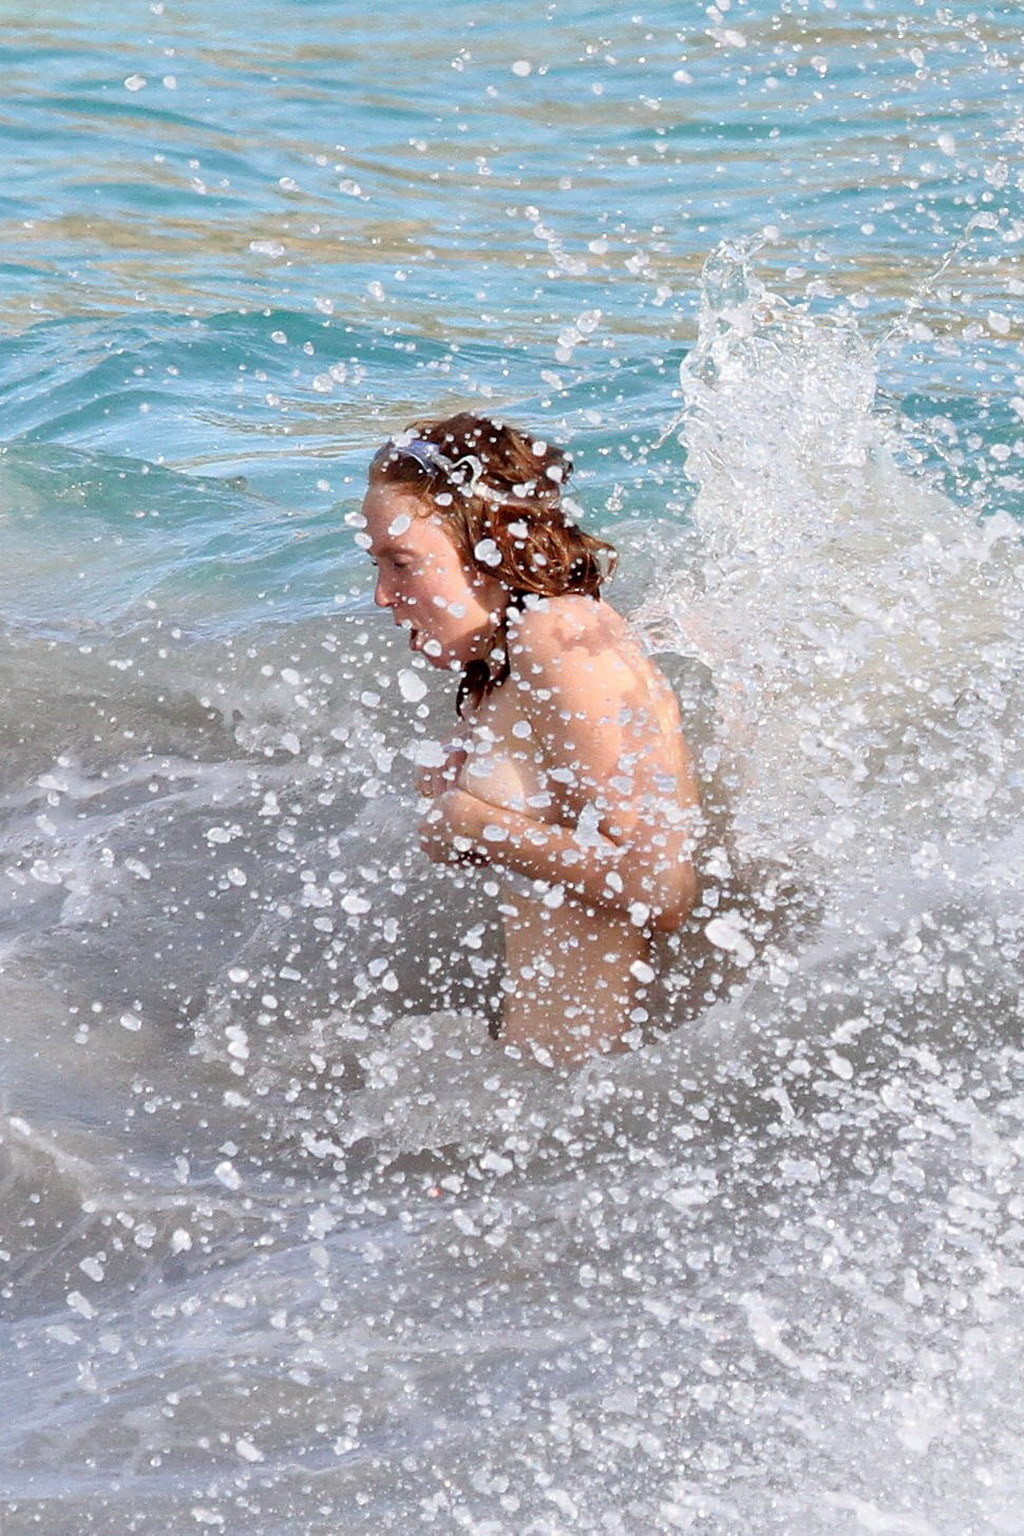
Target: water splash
x,y
863,630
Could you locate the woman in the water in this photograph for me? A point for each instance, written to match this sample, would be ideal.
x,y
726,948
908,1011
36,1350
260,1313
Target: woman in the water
x,y
573,781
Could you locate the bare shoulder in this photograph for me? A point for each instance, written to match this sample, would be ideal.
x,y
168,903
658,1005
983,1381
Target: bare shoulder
x,y
554,628
572,654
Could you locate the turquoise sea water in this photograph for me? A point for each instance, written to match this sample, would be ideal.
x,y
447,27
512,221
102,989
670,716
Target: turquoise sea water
x,y
247,244
766,1280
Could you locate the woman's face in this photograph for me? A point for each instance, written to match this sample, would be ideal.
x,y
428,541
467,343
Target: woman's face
x,y
449,610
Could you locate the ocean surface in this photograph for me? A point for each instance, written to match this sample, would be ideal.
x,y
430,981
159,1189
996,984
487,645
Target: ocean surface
x,y
287,1245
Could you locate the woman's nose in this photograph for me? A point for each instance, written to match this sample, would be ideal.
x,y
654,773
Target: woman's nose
x,y
381,596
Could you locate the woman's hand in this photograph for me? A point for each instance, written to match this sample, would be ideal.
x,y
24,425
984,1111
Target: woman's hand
x,y
450,831
431,782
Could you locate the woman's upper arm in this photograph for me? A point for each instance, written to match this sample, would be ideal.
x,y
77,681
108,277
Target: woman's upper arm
x,y
589,703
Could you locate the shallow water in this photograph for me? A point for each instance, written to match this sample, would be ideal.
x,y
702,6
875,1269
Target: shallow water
x,y
285,1244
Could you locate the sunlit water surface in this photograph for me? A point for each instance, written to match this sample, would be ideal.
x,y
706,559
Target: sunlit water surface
x,y
286,1244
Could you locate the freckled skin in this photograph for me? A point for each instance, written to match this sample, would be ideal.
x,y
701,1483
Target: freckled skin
x,y
575,773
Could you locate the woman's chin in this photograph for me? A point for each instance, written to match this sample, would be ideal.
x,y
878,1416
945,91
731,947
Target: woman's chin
x,y
450,656
439,655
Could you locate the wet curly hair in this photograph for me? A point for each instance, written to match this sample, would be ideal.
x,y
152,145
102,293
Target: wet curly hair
x,y
502,494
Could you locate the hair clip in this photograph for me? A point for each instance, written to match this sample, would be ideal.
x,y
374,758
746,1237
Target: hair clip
x,y
466,473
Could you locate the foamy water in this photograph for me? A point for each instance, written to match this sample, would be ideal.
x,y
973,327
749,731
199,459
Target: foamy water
x,y
287,1242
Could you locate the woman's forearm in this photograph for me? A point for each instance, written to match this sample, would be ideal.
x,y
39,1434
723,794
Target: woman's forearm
x,y
645,884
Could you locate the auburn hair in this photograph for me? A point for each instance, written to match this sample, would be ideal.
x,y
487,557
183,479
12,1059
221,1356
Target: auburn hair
x,y
501,493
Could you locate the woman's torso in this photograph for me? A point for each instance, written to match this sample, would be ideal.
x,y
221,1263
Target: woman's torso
x,y
571,968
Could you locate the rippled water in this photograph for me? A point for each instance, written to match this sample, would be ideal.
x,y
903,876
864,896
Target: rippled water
x,y
285,1244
